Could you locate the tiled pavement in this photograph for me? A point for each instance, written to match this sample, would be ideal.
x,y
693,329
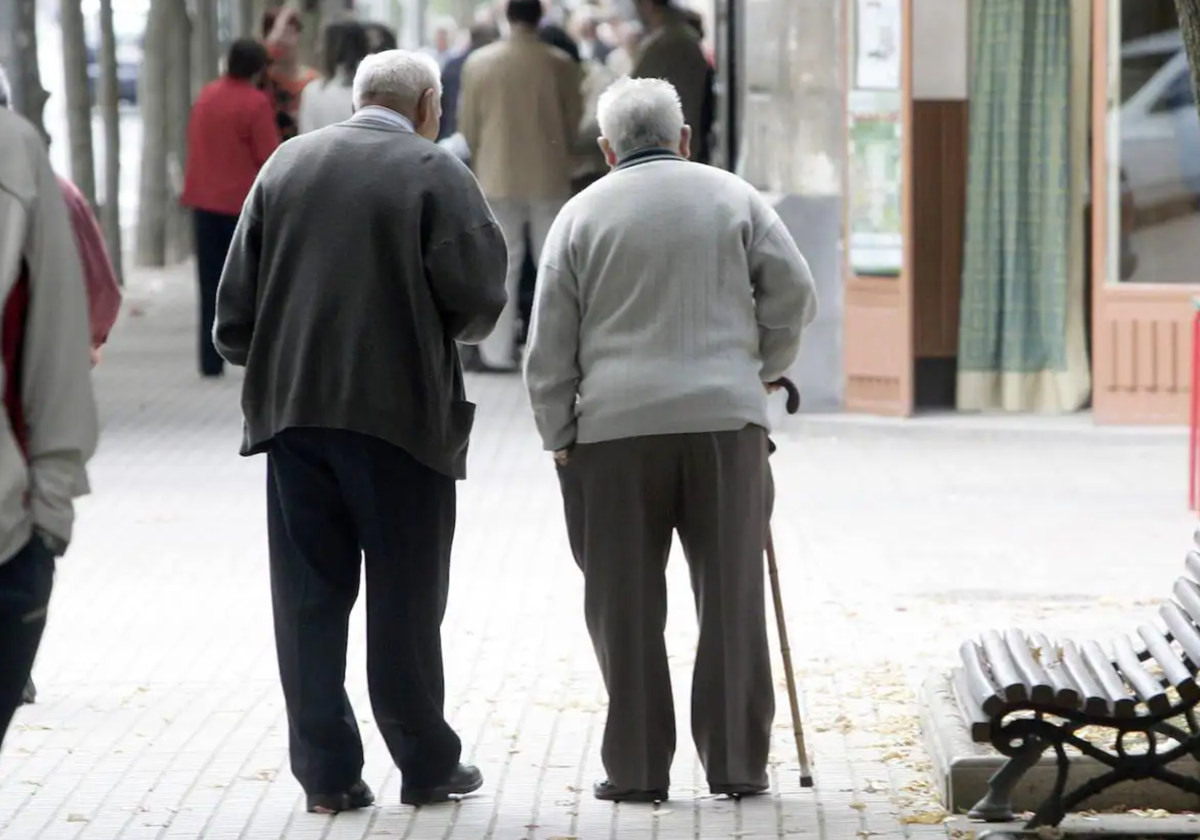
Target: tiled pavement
x,y
160,716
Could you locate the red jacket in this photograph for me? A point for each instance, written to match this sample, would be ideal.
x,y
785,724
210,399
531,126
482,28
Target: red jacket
x,y
104,292
231,134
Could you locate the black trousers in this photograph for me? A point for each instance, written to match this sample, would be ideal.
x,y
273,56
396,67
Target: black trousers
x,y
25,585
334,497
214,232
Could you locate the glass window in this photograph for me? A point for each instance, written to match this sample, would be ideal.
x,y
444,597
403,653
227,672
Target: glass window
x,y
1154,150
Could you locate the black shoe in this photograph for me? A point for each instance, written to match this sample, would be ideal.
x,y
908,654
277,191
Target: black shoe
x,y
465,779
606,791
29,695
359,796
740,791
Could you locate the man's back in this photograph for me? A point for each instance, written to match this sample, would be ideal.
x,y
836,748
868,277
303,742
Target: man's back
x,y
520,109
673,52
368,245
669,311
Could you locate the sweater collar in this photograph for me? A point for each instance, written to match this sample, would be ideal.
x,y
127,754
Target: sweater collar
x,y
645,156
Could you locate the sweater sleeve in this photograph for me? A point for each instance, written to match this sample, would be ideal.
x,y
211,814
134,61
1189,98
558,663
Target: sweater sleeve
x,y
237,294
552,371
785,298
57,395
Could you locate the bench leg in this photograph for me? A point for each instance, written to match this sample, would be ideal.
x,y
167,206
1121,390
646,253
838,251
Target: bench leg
x,y
996,806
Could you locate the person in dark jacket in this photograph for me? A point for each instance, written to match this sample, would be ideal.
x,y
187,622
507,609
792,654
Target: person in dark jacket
x,y
481,34
354,391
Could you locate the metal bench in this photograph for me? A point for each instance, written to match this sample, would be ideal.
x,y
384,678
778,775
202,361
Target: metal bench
x,y
1025,695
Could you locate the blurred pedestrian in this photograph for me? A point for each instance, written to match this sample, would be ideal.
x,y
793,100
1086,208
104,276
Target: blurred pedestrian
x,y
660,323
100,278
481,34
621,60
519,111
380,38
50,425
442,45
586,23
231,133
346,323
286,76
672,50
328,100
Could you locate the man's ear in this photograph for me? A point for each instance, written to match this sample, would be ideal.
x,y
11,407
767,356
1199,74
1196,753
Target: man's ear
x,y
610,157
685,142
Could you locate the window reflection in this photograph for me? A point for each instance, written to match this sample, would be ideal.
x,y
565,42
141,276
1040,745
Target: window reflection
x,y
1158,151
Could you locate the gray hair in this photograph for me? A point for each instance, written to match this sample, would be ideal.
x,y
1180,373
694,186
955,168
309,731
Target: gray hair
x,y
5,90
396,74
637,114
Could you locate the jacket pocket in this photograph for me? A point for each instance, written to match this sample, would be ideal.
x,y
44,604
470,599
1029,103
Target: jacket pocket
x,y
14,492
461,422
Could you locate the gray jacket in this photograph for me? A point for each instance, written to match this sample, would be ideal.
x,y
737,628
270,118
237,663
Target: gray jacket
x,y
363,253
38,486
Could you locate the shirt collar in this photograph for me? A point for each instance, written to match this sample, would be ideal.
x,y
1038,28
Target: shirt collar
x,y
386,117
645,156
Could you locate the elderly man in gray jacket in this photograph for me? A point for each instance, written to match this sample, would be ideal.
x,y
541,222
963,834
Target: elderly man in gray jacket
x,y
50,427
659,325
363,254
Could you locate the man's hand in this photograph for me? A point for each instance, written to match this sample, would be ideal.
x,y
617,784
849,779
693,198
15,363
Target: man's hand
x,y
772,387
95,356
561,457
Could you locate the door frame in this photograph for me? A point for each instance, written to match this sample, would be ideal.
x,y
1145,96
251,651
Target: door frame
x,y
879,362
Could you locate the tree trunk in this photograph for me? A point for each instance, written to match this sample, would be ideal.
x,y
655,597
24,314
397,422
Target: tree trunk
x,y
79,100
179,108
153,92
206,45
110,106
19,56
1189,25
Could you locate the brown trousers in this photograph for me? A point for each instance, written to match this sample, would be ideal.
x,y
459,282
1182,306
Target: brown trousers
x,y
624,500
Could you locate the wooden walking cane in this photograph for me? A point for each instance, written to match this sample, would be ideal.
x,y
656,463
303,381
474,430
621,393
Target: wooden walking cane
x,y
806,778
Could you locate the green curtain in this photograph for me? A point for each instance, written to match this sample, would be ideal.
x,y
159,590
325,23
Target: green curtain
x,y
1015,331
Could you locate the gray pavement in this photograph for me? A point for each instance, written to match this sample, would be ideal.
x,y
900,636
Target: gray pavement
x,y
160,715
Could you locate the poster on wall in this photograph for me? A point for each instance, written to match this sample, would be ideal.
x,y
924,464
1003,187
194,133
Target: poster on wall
x,y
876,169
878,44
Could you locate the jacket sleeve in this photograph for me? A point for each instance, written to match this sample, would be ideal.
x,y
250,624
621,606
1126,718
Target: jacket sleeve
x,y
466,262
57,395
785,298
237,294
552,371
103,290
469,122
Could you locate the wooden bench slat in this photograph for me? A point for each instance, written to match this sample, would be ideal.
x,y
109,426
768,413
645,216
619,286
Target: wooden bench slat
x,y
979,682
1067,693
1033,674
1193,565
1188,596
1110,681
978,721
1004,669
1183,630
1144,683
1096,701
1177,674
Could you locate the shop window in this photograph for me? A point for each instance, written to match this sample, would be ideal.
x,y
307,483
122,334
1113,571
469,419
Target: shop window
x,y
1154,150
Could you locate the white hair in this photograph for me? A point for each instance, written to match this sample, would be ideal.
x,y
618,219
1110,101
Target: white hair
x,y
637,114
396,74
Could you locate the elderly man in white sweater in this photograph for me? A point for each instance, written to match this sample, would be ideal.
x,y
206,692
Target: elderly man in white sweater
x,y
670,297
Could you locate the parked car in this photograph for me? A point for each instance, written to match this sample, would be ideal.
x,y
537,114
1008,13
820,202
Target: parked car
x,y
129,27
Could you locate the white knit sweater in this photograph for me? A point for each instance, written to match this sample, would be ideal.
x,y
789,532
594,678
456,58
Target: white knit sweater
x,y
668,293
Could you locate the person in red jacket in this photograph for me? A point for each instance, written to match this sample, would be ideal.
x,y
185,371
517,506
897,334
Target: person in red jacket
x,y
231,134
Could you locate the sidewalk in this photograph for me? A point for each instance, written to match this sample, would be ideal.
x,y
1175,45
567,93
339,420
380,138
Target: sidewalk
x,y
160,715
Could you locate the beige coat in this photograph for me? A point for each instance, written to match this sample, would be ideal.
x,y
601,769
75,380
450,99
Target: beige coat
x,y
519,110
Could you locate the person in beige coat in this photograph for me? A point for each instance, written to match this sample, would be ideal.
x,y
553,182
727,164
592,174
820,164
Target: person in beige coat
x,y
519,111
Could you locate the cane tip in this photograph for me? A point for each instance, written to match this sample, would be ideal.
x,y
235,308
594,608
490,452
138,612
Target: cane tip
x,y
806,781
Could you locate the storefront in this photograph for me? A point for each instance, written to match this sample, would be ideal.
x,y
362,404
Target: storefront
x,y
1023,207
